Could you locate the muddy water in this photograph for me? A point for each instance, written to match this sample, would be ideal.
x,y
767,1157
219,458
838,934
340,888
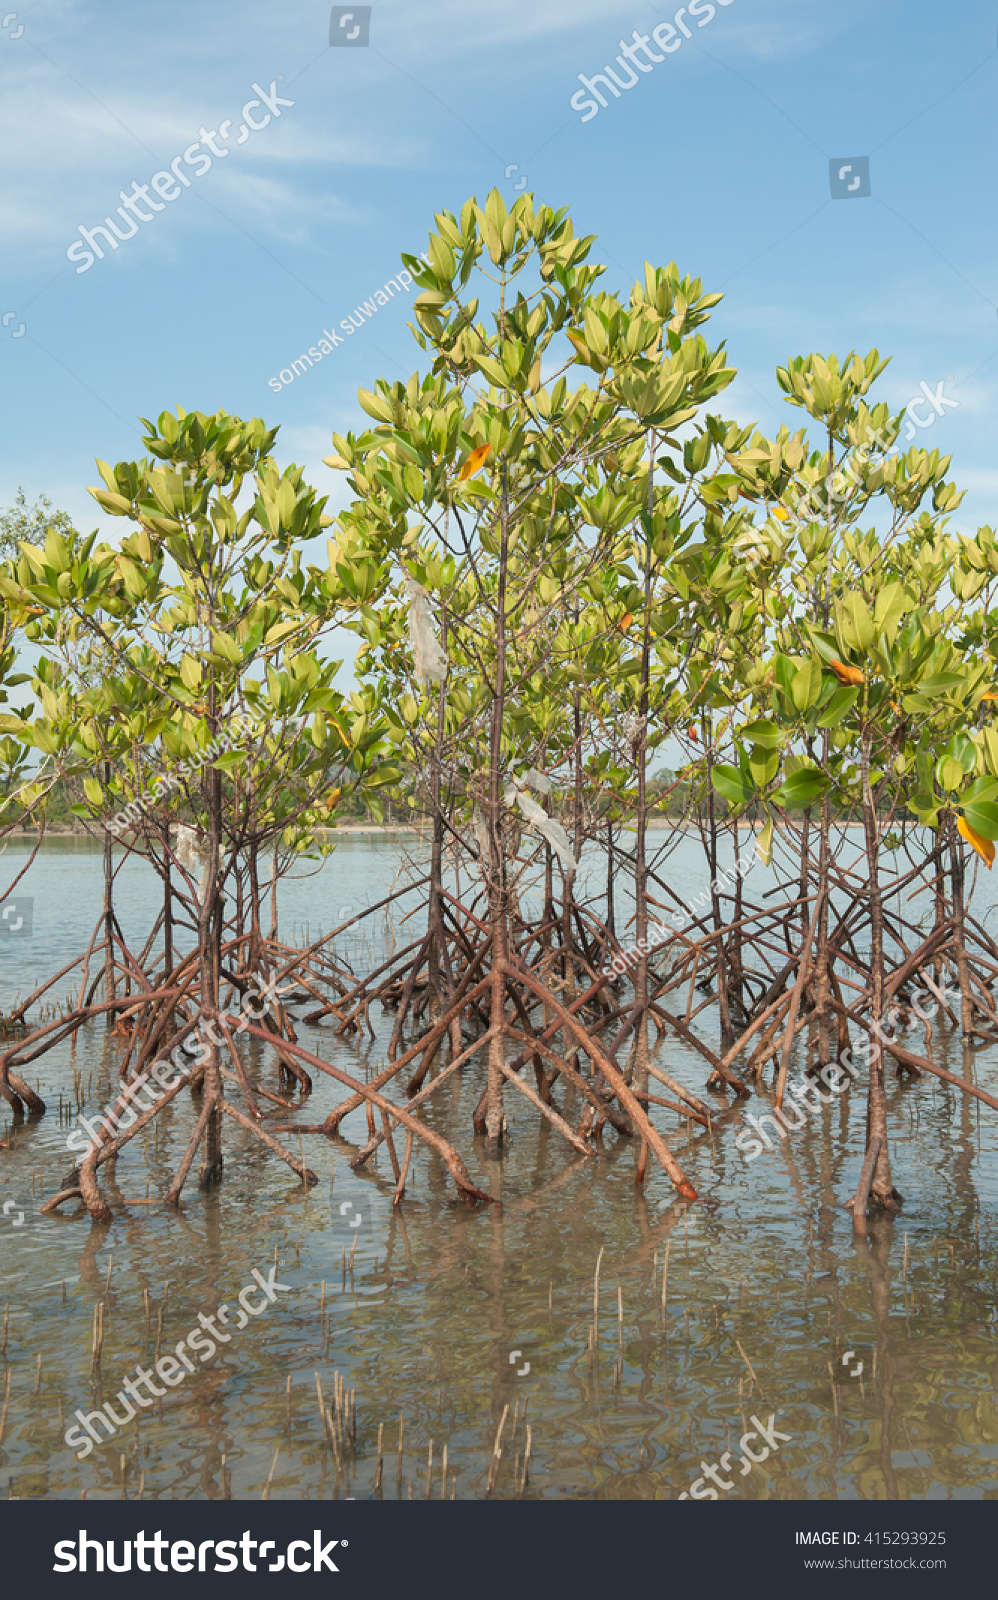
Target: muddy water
x,y
451,1315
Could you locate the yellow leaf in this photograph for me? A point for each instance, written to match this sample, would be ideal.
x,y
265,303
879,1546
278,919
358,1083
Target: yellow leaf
x,y
332,799
989,695
780,514
846,674
764,844
474,461
984,847
190,672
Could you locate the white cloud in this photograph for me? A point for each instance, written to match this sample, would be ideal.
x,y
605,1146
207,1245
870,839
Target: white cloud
x,y
68,160
308,441
977,481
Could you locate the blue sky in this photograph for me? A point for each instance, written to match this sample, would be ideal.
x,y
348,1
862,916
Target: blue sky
x,y
718,158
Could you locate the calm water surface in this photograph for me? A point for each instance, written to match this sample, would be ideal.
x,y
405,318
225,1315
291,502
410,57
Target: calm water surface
x,y
451,1315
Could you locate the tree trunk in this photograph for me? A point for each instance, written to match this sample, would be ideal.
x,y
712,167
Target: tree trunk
x,y
821,979
108,907
434,914
959,939
498,924
882,1188
727,1032
641,822
210,915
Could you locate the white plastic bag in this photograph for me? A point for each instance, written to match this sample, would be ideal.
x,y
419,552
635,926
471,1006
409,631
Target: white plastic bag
x,y
633,727
430,663
549,829
191,850
537,780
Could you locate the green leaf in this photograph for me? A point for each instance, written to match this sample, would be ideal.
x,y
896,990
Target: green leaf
x,y
949,774
841,702
764,765
917,704
990,746
786,669
230,761
763,732
858,614
492,369
964,749
279,631
983,818
728,781
980,789
892,603
190,673
802,788
381,776
114,504
807,684
941,682
225,646
375,405
825,644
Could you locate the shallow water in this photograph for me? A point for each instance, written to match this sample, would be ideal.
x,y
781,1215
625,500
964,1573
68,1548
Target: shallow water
x,y
452,1314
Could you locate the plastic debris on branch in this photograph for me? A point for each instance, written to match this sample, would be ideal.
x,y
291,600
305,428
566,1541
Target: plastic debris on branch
x,y
191,851
633,729
539,820
430,663
537,780
516,781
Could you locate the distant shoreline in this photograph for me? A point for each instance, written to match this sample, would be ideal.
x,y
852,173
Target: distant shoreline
x,y
406,829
